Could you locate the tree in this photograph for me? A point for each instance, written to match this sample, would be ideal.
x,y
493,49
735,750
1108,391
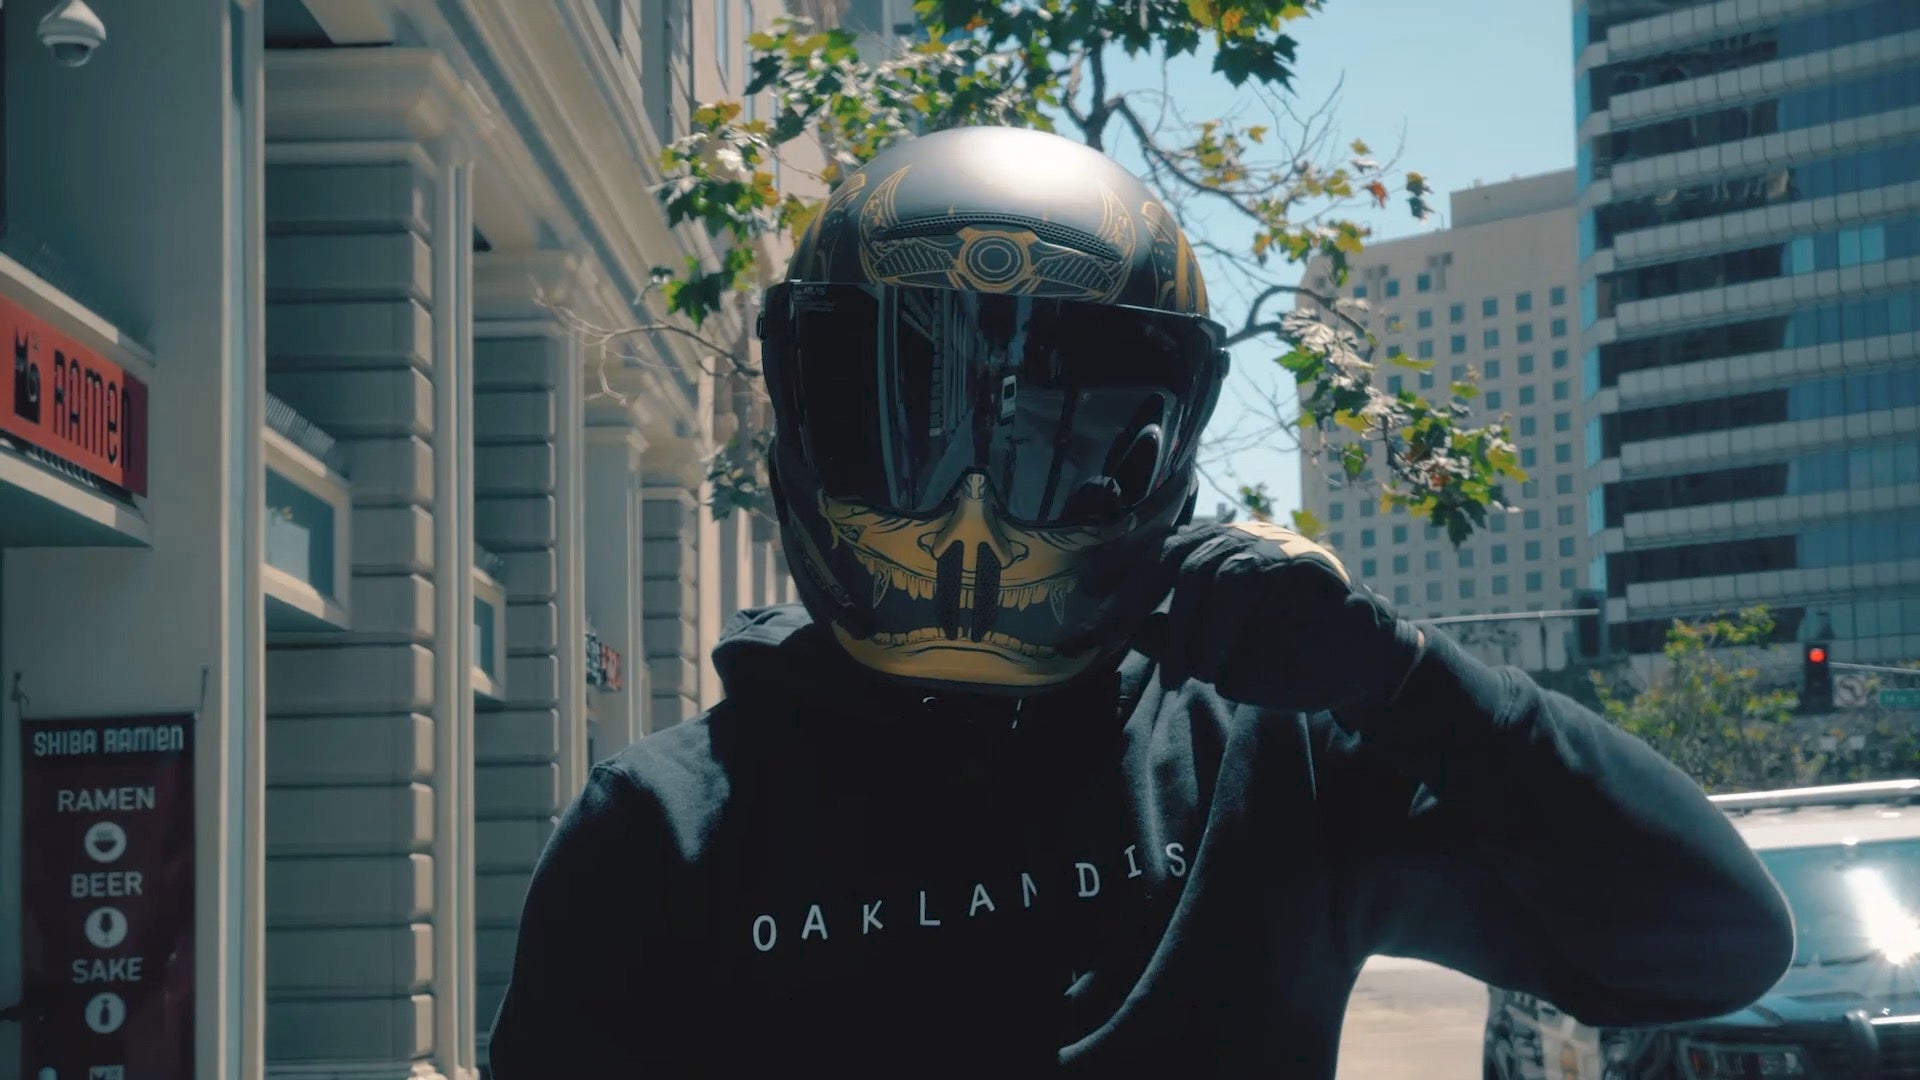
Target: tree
x,y
1712,711
1045,64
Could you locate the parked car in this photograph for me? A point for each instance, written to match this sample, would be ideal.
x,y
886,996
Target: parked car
x,y
1848,859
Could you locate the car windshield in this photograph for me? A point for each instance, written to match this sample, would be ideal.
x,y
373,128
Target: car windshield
x,y
1852,902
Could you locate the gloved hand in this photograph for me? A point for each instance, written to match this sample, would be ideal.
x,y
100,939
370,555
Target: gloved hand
x,y
1270,618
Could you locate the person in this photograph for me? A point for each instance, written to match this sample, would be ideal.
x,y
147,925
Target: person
x,y
1042,779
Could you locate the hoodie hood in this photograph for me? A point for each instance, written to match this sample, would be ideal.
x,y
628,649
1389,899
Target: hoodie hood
x,y
752,644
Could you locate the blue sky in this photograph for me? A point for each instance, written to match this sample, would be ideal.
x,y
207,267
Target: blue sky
x,y
1463,92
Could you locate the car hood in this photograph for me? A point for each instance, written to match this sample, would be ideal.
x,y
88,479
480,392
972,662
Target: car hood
x,y
1816,992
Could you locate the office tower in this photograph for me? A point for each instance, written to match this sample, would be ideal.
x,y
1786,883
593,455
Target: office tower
x,y
1749,176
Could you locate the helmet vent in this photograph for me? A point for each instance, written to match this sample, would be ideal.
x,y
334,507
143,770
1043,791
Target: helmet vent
x,y
1050,231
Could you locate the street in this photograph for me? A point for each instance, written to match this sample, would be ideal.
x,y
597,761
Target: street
x,y
1410,1020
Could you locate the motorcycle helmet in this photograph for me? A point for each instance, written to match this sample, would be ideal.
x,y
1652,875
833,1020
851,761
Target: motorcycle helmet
x,y
990,364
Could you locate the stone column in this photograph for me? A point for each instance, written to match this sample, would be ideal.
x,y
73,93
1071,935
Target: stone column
x,y
351,731
671,526
369,283
614,557
530,744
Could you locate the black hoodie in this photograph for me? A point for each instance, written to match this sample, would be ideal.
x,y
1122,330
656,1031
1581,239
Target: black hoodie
x,y
1117,879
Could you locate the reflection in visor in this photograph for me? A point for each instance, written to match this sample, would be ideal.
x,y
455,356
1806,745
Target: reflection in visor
x,y
1075,412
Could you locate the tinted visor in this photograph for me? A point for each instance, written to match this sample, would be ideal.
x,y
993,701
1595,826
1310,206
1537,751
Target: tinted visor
x,y
1074,411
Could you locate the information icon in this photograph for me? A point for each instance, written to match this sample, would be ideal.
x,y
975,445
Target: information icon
x,y
106,927
106,1012
106,841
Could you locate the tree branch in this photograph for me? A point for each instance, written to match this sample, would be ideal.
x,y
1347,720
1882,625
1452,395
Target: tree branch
x,y
1161,159
1253,328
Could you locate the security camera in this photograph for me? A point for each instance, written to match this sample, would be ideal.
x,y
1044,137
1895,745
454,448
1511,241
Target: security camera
x,y
71,31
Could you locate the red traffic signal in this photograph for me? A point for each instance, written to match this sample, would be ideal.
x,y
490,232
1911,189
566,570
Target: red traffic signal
x,y
1816,681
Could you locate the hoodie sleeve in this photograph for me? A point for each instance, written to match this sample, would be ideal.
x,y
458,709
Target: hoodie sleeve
x,y
1506,832
582,961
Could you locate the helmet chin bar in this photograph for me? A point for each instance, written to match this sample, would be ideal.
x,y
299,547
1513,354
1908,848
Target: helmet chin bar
x,y
1100,608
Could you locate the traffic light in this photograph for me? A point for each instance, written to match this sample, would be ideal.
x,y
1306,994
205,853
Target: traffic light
x,y
1816,680
1590,631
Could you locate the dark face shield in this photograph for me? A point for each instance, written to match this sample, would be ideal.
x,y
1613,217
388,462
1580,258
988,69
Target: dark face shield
x,y
1074,412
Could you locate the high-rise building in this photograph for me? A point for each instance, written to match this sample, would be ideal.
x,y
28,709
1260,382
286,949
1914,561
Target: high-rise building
x,y
1749,177
1490,297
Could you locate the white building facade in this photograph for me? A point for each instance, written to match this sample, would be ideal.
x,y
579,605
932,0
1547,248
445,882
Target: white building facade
x,y
332,548
1489,297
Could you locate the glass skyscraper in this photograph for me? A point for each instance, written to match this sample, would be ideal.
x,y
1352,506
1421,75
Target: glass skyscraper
x,y
1749,214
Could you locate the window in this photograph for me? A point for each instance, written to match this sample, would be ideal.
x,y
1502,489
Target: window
x,y
1557,295
1562,421
1426,380
1527,425
1493,401
1563,484
1459,372
1359,292
1531,551
1559,359
1457,313
1399,564
1366,538
1558,328
1489,307
1336,540
723,38
1465,557
1569,578
1401,595
1369,569
1368,508
1523,333
1563,515
1457,344
1530,519
1393,385
1524,364
1526,395
1492,368
1563,453
1490,337
1399,534
1423,350
1498,522
1529,457
1393,288
1336,511
1530,489
1395,324
1423,283
1523,301
1533,581
1466,588
1433,590
1562,389
1423,319
1499,584
1499,554
1432,560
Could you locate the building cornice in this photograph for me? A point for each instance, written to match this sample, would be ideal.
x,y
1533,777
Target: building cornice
x,y
368,96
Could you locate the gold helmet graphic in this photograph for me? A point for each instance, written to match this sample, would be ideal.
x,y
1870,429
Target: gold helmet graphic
x,y
990,365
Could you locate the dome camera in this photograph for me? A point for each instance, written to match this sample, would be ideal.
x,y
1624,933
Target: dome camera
x,y
71,31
